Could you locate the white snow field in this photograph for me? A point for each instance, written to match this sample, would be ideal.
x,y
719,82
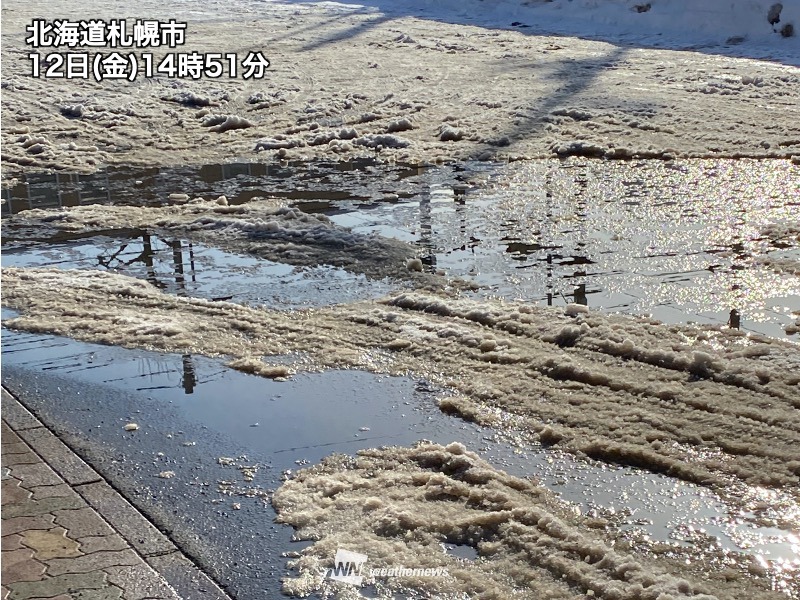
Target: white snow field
x,y
426,81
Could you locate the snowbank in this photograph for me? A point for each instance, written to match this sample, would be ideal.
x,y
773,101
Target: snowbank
x,y
755,25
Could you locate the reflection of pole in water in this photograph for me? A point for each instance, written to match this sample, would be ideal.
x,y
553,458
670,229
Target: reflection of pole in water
x,y
548,202
426,230
58,191
581,213
580,294
582,209
9,200
177,260
147,258
461,212
189,379
191,263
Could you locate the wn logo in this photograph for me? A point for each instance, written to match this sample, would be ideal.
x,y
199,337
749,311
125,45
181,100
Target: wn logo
x,y
347,567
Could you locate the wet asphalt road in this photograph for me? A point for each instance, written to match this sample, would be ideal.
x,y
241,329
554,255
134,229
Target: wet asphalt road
x,y
240,549
191,416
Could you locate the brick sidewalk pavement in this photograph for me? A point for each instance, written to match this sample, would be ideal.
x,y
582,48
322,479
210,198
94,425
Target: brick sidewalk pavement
x,y
67,534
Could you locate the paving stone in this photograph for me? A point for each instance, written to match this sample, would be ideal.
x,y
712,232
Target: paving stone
x,y
19,447
18,524
140,582
20,458
31,508
19,565
52,543
55,547
92,562
110,592
184,576
17,416
12,542
61,458
53,586
13,493
82,522
8,434
140,533
102,543
33,475
5,430
53,491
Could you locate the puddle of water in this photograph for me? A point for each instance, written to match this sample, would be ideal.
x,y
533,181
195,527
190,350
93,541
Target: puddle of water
x,y
287,425
680,241
239,182
191,269
461,551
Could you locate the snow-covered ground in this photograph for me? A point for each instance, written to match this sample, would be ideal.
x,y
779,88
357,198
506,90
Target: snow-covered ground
x,y
753,28
420,81
431,80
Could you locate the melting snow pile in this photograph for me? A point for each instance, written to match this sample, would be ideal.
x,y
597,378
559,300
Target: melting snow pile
x,y
703,405
427,81
398,506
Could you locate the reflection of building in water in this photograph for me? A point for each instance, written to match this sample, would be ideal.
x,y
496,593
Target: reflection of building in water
x,y
55,190
137,186
125,185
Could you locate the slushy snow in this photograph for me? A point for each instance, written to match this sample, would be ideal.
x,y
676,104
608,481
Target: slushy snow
x,y
705,405
400,505
421,81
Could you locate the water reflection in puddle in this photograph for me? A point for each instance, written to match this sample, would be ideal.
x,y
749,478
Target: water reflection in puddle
x,y
191,269
239,182
287,425
682,241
